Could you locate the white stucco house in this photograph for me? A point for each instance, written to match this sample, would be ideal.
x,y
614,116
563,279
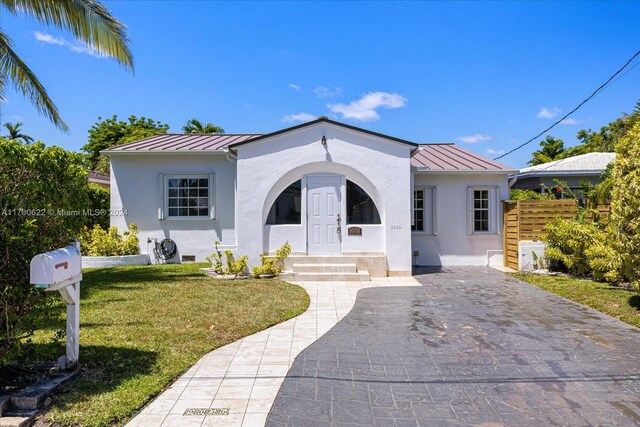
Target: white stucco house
x,y
347,199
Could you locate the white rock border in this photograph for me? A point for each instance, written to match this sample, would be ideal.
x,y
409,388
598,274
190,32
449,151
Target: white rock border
x,y
114,261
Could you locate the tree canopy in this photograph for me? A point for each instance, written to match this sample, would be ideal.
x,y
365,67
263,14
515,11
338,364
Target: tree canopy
x,y
196,126
89,21
111,132
16,133
550,149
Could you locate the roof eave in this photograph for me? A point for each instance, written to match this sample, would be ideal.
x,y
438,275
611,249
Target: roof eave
x,y
318,121
522,175
140,152
465,171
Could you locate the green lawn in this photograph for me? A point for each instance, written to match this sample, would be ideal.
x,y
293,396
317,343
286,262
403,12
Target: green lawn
x,y
141,327
614,301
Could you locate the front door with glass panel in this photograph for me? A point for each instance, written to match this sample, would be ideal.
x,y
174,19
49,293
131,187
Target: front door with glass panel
x,y
324,201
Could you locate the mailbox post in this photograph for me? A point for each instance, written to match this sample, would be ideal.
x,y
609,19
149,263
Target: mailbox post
x,y
61,270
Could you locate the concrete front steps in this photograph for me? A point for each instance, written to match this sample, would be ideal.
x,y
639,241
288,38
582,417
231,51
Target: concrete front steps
x,y
356,268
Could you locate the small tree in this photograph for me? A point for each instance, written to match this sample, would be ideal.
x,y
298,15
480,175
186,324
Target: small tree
x,y
196,126
40,189
111,132
625,203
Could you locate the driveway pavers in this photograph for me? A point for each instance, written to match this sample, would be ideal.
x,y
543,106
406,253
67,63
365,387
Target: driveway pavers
x,y
471,347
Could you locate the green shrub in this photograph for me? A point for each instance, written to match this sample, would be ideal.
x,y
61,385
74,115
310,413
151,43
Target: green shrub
x,y
625,204
216,259
41,190
518,194
100,242
235,267
273,266
99,203
584,248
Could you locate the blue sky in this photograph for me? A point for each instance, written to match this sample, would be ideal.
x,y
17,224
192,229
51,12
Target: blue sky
x,y
485,75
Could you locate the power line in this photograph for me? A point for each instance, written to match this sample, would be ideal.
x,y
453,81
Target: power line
x,y
602,86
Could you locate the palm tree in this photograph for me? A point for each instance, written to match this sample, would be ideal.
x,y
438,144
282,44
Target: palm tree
x,y
551,149
88,20
196,126
16,133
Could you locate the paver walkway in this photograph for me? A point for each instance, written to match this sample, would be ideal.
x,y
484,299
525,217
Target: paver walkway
x,y
471,347
245,376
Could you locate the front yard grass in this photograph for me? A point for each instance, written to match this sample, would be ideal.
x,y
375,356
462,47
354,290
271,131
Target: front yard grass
x,y
614,301
141,327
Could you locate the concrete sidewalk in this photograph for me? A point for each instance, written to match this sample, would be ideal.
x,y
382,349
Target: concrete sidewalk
x,y
245,376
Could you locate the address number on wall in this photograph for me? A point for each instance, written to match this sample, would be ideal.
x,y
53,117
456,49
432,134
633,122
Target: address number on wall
x,y
396,226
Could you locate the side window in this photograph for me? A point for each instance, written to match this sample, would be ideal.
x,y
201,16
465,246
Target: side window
x,y
286,208
424,210
187,196
483,210
361,210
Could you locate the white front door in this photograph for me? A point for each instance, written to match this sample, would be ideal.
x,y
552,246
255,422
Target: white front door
x,y
324,201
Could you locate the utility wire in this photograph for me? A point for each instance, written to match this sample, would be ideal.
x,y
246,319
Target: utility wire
x,y
602,86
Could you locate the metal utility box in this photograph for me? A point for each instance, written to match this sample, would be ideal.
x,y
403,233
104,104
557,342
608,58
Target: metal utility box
x,y
61,270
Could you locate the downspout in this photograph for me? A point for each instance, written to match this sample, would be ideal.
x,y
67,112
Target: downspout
x,y
512,180
231,156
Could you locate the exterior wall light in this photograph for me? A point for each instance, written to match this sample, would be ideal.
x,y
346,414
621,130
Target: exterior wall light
x,y
324,140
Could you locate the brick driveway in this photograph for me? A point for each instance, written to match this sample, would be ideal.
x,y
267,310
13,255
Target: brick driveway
x,y
471,347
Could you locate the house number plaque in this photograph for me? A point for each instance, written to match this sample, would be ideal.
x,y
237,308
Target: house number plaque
x,y
355,231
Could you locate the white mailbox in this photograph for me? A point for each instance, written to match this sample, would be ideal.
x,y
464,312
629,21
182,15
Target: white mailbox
x,y
57,269
61,270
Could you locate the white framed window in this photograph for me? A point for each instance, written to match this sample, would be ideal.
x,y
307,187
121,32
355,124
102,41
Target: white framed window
x,y
424,212
188,196
483,210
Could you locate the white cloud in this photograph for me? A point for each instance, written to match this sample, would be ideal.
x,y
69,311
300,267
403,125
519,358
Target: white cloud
x,y
495,152
473,139
300,117
60,41
546,113
570,122
364,109
294,87
48,38
325,92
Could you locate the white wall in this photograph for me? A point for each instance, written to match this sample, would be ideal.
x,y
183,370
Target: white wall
x,y
379,166
453,245
135,186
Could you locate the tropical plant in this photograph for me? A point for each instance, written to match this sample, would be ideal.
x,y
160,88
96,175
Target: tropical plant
x,y
38,186
196,126
89,21
216,259
273,266
15,132
583,248
550,149
111,132
625,203
235,267
99,203
518,194
100,242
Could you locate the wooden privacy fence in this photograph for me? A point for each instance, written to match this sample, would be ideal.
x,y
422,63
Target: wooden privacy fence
x,y
526,219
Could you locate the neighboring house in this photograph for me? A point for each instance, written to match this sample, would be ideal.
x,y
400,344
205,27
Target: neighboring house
x,y
99,178
329,189
572,170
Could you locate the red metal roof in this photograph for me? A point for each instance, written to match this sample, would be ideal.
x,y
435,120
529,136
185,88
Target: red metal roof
x,y
430,157
184,142
450,157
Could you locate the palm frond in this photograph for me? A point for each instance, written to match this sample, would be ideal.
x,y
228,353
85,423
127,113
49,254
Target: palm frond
x,y
15,70
88,20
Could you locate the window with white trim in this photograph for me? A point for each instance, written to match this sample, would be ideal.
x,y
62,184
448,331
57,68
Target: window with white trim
x,y
188,196
482,210
424,210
